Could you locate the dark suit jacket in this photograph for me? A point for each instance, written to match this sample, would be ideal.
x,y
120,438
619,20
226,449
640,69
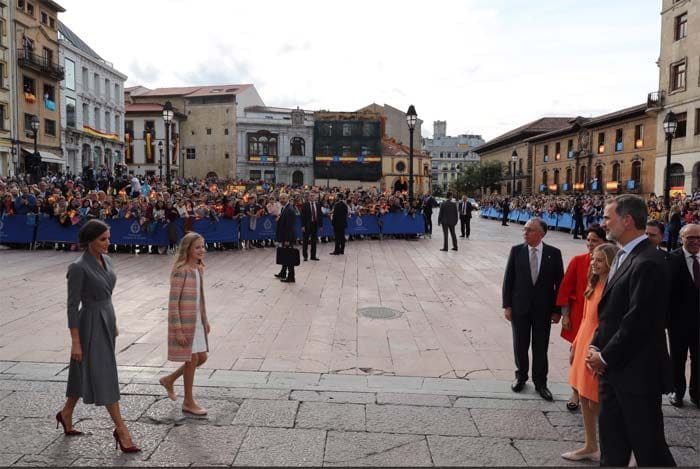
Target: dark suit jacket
x,y
448,213
340,215
631,317
306,215
461,209
285,225
684,308
428,205
518,291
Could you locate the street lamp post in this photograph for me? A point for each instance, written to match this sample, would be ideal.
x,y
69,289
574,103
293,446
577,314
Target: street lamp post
x,y
167,118
160,162
514,159
411,119
670,126
35,158
14,157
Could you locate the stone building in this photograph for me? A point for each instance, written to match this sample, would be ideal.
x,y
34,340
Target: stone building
x,y
612,153
449,155
679,91
37,79
92,106
275,145
395,168
503,147
8,150
207,138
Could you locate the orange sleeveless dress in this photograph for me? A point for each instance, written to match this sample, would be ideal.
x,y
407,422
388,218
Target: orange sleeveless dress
x,y
580,377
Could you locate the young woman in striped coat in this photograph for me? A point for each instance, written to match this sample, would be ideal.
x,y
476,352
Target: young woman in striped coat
x,y
188,326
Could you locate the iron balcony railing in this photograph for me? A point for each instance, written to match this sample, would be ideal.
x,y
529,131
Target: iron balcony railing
x,y
655,99
40,63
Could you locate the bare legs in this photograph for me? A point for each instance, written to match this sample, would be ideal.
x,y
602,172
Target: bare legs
x,y
67,412
187,372
590,410
114,412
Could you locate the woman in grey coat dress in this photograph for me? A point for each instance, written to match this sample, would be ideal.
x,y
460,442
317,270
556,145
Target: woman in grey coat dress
x,y
92,375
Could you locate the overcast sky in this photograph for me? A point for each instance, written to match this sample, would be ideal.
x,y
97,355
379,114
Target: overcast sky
x,y
484,66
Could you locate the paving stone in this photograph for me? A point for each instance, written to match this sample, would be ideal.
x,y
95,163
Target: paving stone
x,y
456,386
430,400
209,392
471,451
331,416
5,365
5,393
688,410
679,431
165,411
266,413
6,459
530,424
339,397
565,419
347,382
32,404
200,444
35,370
87,462
486,403
132,408
99,443
399,383
571,433
32,460
376,449
686,457
548,453
293,380
281,447
236,378
419,420
41,386
26,436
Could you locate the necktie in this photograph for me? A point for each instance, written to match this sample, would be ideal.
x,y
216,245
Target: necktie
x,y
613,267
696,270
533,265
464,208
313,212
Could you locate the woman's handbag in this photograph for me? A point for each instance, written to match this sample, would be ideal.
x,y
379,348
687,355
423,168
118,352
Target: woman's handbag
x,y
288,256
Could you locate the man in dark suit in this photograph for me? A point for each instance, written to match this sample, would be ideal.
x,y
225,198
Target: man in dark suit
x,y
684,324
429,203
286,236
465,217
339,220
530,286
447,218
311,221
578,219
505,207
628,350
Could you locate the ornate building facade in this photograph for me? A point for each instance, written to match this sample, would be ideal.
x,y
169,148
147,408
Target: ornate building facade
x,y
449,155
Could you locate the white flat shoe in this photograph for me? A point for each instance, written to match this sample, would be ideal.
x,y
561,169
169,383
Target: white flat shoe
x,y
574,456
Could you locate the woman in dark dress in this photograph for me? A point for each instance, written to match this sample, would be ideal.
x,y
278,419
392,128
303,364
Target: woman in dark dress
x,y
92,375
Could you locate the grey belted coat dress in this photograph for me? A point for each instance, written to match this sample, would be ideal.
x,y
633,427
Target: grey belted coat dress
x,y
90,310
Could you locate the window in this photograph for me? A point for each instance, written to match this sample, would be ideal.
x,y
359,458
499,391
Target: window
x,y
190,154
117,97
50,127
326,130
298,146
639,136
568,178
677,81
570,148
70,112
556,177
29,85
49,97
48,55
618,140
677,177
255,175
682,124
97,118
86,114
347,130
20,4
28,123
116,123
582,175
544,177
69,79
3,116
616,172
85,78
30,9
149,127
369,129
208,131
680,29
225,131
346,150
262,143
599,176
557,151
2,75
637,171
400,167
226,155
365,150
108,88
52,23
545,151
108,122
601,142
45,18
129,150
96,84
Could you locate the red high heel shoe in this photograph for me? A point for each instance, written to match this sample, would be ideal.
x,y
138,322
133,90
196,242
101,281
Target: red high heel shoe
x,y
73,432
118,444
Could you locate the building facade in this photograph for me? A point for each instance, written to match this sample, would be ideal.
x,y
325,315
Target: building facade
x,y
449,155
92,107
514,143
612,154
8,150
275,145
38,77
207,139
347,149
396,170
679,91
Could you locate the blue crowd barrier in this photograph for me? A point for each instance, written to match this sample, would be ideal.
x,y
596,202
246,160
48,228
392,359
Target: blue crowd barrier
x,y
50,230
524,216
264,228
566,222
223,231
550,219
482,212
369,225
401,223
17,229
130,232
513,215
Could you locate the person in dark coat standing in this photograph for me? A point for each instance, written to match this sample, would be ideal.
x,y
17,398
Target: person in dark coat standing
x,y
311,221
429,203
286,236
628,350
505,208
92,374
339,220
465,217
578,219
447,218
684,315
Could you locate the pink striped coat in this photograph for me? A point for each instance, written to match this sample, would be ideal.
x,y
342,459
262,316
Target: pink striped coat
x,y
182,311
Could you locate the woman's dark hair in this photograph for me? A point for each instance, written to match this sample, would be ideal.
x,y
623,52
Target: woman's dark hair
x,y
90,231
597,230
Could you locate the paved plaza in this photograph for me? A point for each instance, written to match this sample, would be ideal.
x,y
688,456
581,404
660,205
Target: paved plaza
x,y
296,377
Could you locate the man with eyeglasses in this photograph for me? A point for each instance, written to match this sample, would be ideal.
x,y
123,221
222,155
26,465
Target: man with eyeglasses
x,y
684,326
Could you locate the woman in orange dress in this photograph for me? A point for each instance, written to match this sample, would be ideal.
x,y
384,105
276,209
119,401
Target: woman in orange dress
x,y
582,378
570,296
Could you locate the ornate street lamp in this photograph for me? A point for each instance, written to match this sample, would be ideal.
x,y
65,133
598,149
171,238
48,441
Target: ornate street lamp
x,y
670,127
167,119
411,119
160,162
514,159
35,157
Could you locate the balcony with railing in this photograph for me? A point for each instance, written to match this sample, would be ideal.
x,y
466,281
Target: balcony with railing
x,y
39,63
655,100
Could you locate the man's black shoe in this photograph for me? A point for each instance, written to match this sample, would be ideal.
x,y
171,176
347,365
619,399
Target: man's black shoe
x,y
454,249
287,280
545,393
305,259
675,400
278,276
444,250
517,385
315,259
576,237
462,236
333,253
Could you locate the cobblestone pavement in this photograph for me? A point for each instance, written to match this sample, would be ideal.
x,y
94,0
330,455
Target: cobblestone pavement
x,y
304,419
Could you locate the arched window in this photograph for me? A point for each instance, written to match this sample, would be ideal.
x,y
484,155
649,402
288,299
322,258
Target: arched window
x,y
556,177
583,175
262,143
298,178
599,175
298,146
544,177
616,172
677,178
568,177
637,171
